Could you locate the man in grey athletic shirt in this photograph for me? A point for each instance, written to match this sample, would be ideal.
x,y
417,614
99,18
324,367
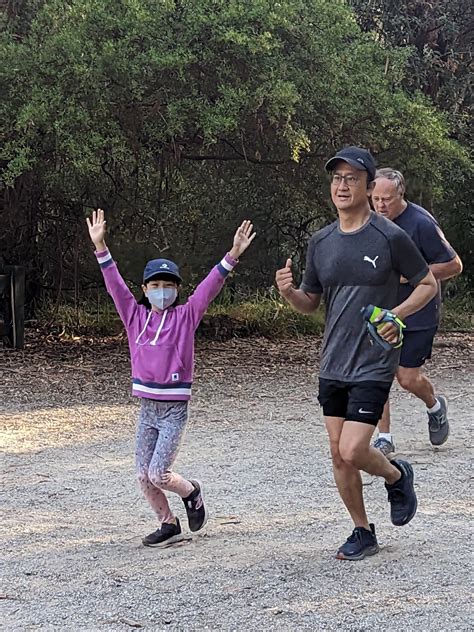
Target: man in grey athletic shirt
x,y
356,261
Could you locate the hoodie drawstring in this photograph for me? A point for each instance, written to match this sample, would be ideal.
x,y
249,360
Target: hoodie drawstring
x,y
144,328
154,341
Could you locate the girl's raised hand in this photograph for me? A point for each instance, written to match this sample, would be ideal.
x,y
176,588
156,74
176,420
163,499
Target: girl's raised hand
x,y
97,229
242,239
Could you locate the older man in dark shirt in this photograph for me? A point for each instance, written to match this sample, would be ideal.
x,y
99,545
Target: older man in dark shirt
x,y
388,200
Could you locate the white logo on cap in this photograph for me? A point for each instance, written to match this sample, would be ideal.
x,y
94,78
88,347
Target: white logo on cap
x,y
361,161
164,265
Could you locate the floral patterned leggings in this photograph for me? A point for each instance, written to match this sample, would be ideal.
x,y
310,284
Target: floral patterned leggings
x,y
160,431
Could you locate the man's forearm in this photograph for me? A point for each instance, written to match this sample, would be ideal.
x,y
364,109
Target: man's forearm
x,y
448,270
302,302
421,296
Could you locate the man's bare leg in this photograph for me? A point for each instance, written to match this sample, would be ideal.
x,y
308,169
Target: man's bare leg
x,y
384,423
355,450
347,477
415,381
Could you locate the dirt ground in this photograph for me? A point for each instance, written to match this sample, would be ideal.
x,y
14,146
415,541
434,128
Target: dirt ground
x,y
73,518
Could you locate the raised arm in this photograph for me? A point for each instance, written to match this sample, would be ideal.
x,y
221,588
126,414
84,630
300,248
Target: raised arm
x,y
124,300
242,239
210,287
97,228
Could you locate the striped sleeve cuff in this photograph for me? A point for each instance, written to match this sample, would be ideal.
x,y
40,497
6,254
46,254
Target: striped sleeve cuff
x,y
227,265
104,258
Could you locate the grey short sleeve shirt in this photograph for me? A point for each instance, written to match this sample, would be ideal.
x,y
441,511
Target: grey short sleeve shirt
x,y
352,270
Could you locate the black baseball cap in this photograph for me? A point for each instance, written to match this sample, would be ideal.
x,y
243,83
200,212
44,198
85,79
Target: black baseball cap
x,y
356,157
161,266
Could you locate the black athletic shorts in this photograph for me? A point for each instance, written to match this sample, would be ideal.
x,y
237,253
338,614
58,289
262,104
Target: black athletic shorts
x,y
354,401
416,348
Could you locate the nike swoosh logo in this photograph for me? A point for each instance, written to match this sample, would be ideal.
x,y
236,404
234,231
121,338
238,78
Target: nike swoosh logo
x,y
365,412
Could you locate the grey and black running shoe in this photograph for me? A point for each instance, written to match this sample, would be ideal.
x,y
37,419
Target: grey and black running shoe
x,y
438,424
385,446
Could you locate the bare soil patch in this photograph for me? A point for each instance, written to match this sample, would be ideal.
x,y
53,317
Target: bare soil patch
x,y
73,517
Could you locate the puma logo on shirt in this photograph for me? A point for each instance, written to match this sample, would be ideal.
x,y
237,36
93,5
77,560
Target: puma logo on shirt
x,y
372,261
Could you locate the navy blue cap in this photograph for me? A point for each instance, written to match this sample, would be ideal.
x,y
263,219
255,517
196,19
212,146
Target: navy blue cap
x,y
356,157
161,266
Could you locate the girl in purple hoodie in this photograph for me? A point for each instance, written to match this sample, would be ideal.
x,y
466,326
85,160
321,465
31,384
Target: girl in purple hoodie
x,y
161,341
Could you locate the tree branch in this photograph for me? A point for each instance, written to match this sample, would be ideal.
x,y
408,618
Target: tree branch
x,y
235,157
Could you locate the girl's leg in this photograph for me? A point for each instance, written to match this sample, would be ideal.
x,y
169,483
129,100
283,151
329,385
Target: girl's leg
x,y
147,435
171,433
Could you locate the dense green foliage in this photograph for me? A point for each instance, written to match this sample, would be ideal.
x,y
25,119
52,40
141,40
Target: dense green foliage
x,y
181,117
438,39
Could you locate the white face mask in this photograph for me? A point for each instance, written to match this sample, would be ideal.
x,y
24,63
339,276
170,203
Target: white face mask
x,y
162,297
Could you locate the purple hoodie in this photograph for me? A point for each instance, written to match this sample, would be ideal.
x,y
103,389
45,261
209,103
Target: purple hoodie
x,y
162,343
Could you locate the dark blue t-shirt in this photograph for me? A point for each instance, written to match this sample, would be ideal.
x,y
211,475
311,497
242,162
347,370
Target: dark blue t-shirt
x,y
428,236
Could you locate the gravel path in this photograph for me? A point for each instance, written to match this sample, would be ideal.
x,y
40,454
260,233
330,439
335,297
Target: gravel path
x,y
73,518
